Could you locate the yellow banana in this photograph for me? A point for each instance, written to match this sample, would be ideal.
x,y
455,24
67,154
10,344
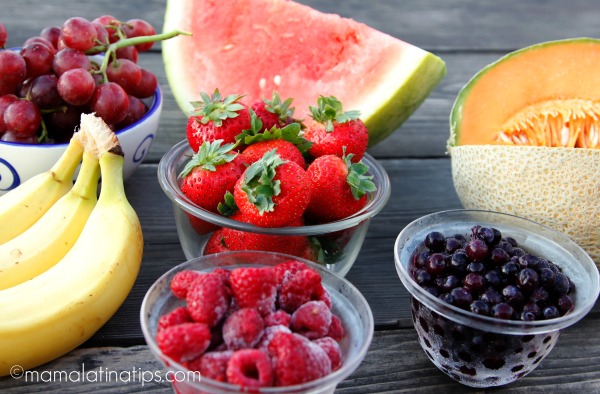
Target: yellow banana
x,y
47,241
24,205
56,311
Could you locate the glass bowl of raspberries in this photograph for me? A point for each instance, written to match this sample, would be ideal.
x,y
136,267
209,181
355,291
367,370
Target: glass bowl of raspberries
x,y
491,292
298,216
245,321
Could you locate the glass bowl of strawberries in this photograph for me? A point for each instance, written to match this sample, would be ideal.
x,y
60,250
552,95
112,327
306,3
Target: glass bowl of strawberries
x,y
246,321
273,189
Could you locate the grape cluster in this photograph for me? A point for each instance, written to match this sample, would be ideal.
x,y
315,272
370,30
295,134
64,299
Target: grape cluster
x,y
53,78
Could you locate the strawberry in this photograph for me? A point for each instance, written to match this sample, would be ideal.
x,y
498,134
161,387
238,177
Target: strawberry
x,y
334,129
339,187
216,243
216,118
287,140
274,112
211,172
272,192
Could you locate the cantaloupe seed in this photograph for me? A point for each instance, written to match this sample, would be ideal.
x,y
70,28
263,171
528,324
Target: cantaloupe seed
x,y
571,123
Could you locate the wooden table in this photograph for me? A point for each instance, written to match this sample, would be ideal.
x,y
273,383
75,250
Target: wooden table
x,y
467,34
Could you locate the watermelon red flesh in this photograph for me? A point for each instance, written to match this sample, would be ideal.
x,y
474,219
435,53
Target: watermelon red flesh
x,y
254,47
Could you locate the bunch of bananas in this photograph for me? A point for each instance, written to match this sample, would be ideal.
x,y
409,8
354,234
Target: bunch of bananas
x,y
68,259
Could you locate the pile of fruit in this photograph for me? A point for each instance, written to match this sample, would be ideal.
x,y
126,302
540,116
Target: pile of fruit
x,y
253,326
68,258
54,78
257,164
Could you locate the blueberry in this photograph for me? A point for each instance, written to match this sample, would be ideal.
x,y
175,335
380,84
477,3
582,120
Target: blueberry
x,y
512,241
459,261
476,267
480,307
499,256
512,294
565,304
517,252
447,298
453,244
436,264
474,282
491,296
561,284
434,291
547,277
503,311
509,270
422,277
551,312
462,297
460,238
539,295
435,241
476,249
528,279
487,235
527,260
421,258
493,278
450,282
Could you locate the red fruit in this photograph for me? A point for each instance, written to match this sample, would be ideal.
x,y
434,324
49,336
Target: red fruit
x,y
332,348
126,73
273,192
243,329
285,149
51,34
176,316
336,329
283,271
138,28
216,118
279,317
5,101
296,360
147,85
339,188
208,300
246,240
212,365
137,109
110,102
335,130
38,58
269,334
3,35
23,118
184,342
250,368
300,288
78,33
13,68
311,320
274,112
211,173
216,243
254,287
182,282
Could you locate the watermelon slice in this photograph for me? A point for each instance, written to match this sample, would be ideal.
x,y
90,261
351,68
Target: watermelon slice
x,y
254,47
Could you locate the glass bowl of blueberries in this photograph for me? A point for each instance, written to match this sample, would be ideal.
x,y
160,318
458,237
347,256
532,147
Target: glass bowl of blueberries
x,y
491,292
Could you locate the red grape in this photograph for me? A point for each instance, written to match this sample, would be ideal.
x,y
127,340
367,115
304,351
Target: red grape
x,y
62,124
147,85
3,35
110,102
52,34
76,86
12,71
129,53
44,93
110,23
138,28
11,136
101,34
41,40
5,101
38,58
136,111
23,118
78,33
124,72
69,58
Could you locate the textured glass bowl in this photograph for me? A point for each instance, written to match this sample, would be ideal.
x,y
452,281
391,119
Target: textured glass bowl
x,y
347,302
342,239
482,351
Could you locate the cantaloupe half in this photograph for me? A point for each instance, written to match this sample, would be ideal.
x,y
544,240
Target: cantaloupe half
x,y
524,138
253,47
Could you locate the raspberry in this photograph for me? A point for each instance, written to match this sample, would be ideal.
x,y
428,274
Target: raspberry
x,y
176,316
332,348
212,365
250,368
296,360
268,335
336,329
278,317
208,299
184,342
288,268
304,286
224,274
311,320
182,281
254,288
243,329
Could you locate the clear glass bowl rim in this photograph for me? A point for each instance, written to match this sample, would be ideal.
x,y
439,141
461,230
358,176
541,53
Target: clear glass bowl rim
x,y
327,381
167,177
514,327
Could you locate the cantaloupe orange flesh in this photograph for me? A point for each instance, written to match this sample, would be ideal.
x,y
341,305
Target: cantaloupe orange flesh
x,y
543,96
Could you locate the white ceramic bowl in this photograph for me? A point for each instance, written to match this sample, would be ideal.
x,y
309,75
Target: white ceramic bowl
x,y
19,162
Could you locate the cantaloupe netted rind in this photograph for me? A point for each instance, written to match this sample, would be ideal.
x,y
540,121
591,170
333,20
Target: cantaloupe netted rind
x,y
253,47
558,187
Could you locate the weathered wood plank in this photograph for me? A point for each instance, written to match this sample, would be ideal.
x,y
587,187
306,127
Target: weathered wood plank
x,y
395,363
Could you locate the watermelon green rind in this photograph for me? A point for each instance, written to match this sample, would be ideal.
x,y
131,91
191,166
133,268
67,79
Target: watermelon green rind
x,y
457,108
382,77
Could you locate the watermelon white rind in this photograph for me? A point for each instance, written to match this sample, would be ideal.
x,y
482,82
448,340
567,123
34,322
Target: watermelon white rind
x,y
253,47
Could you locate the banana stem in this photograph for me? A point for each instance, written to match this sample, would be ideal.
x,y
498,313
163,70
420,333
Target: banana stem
x,y
66,165
111,166
86,184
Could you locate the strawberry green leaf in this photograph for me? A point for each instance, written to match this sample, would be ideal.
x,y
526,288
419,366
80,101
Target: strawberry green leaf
x,y
209,156
259,185
330,109
215,108
360,184
228,206
279,108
